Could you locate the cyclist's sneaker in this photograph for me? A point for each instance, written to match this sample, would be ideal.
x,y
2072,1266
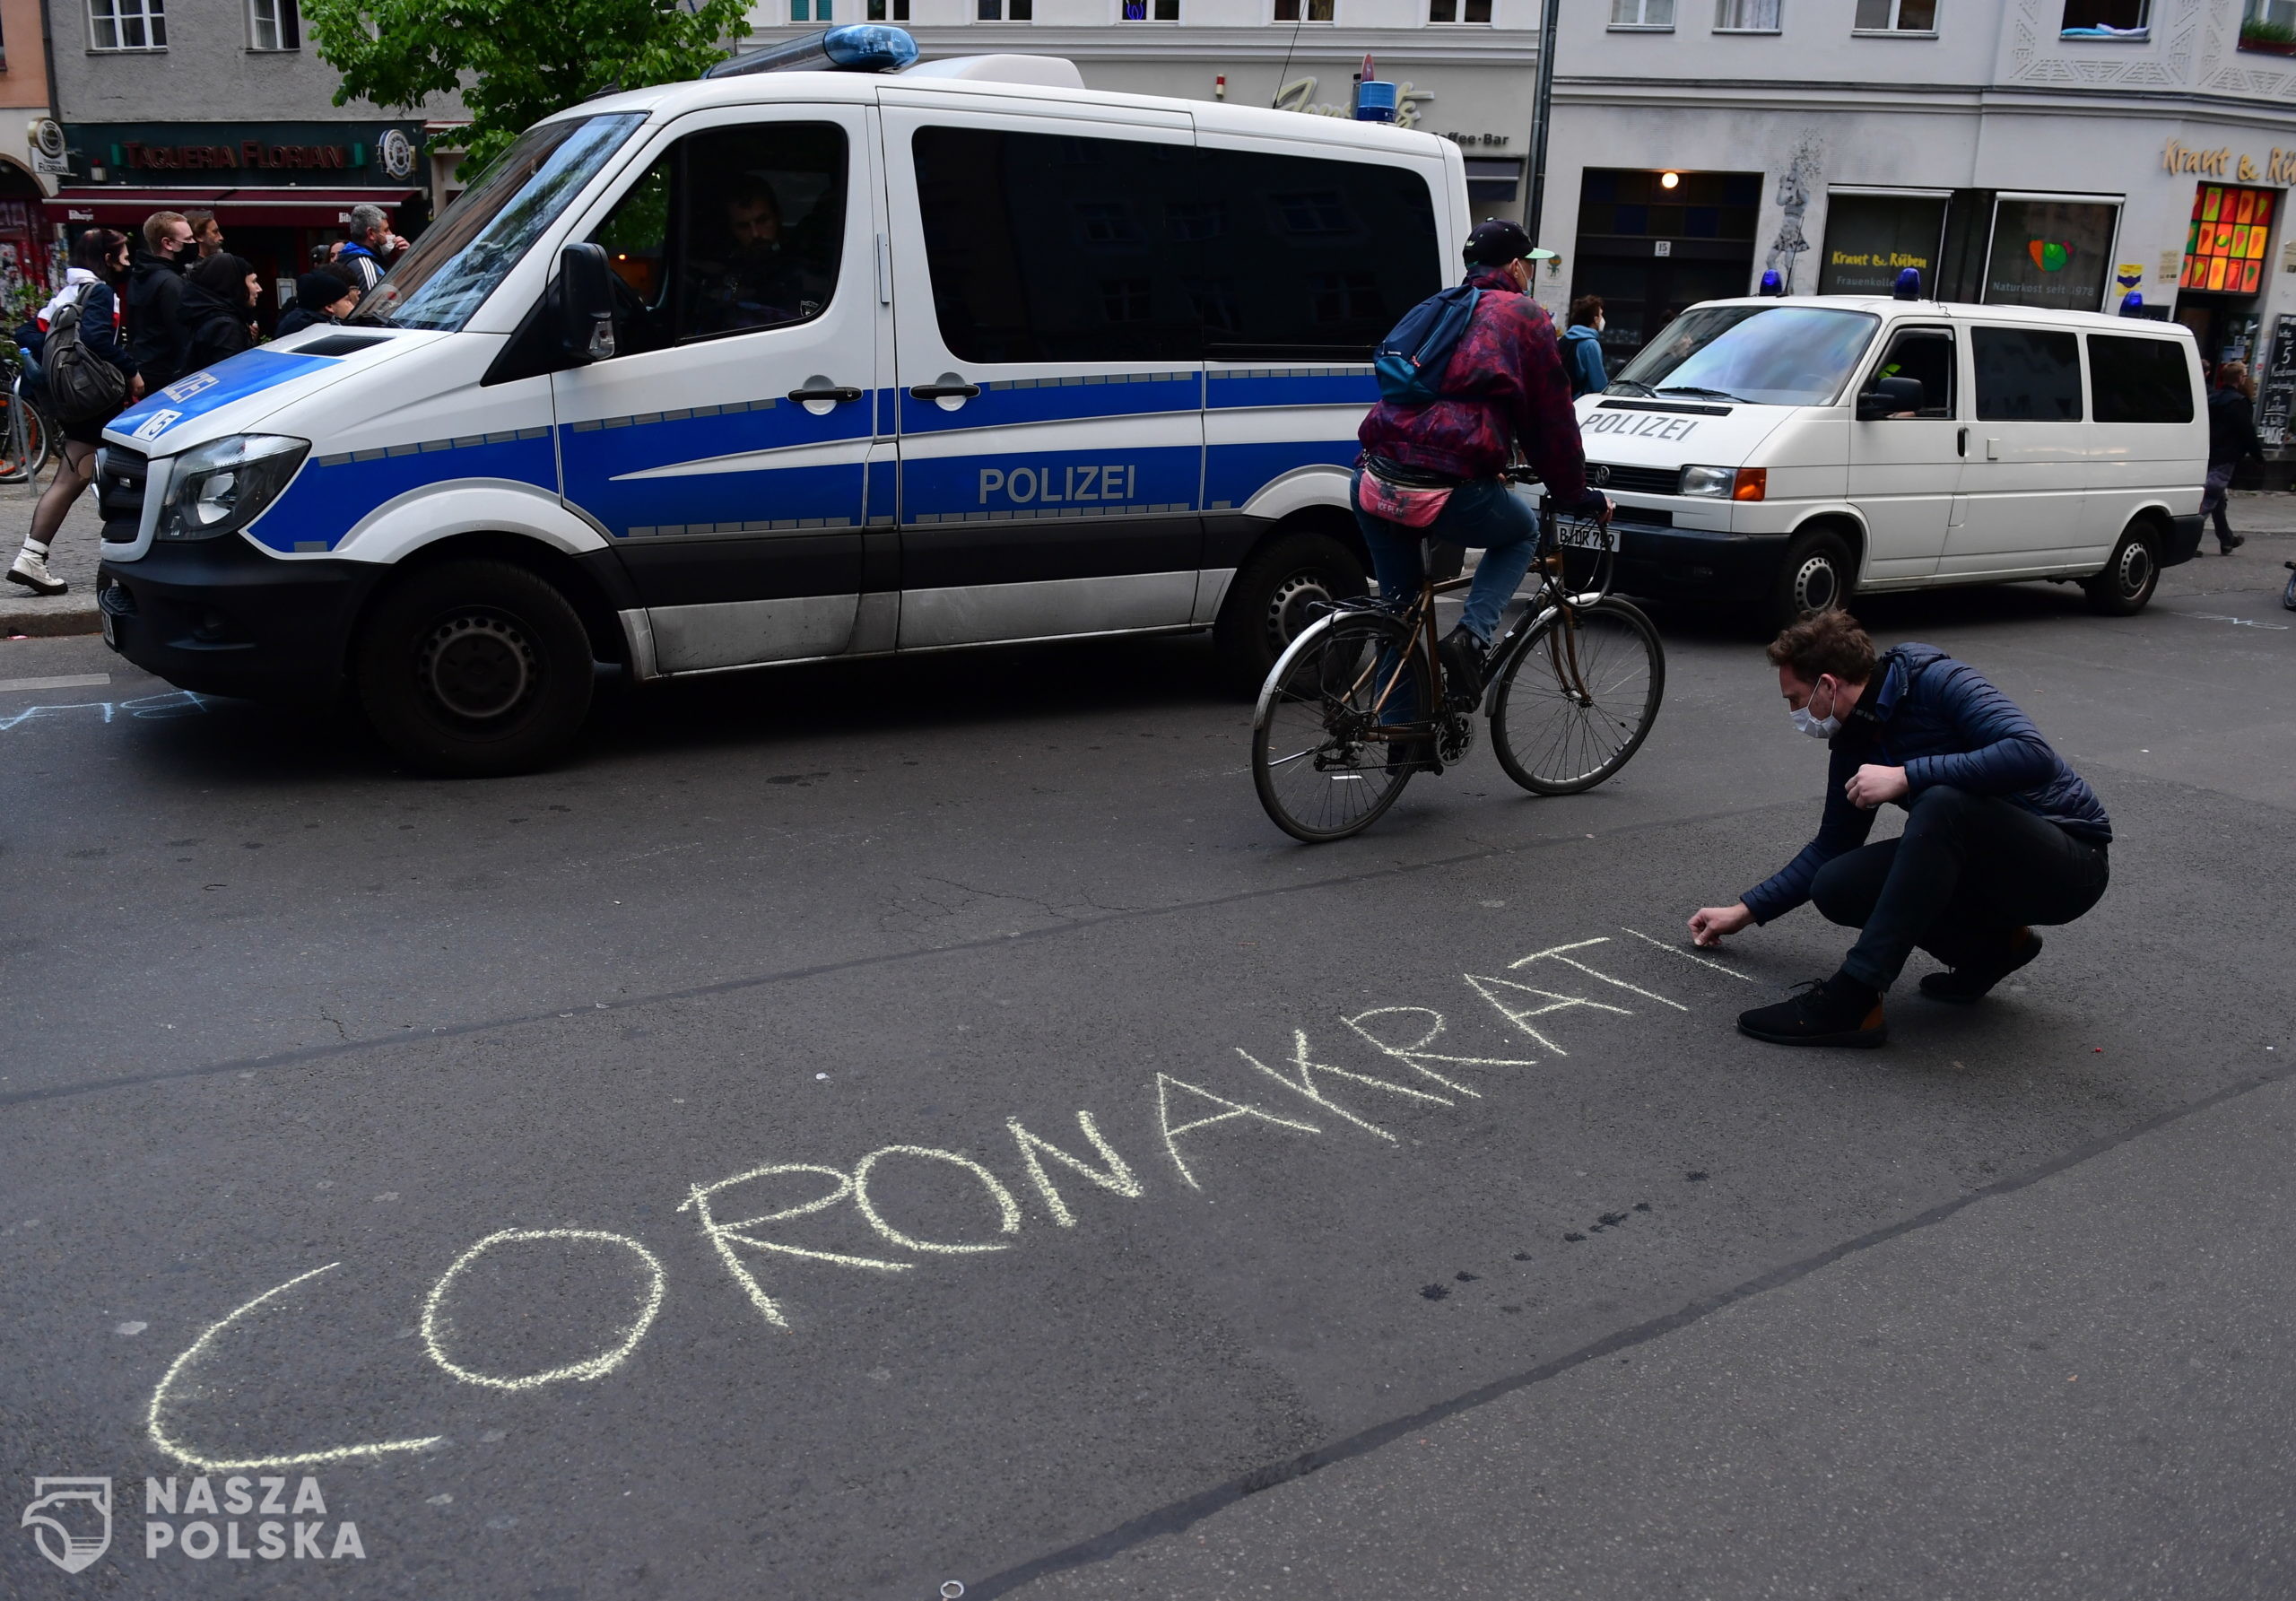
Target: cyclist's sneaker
x,y
32,573
1410,756
1970,982
1461,654
1836,1010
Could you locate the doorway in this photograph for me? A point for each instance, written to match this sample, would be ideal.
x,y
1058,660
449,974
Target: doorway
x,y
1654,243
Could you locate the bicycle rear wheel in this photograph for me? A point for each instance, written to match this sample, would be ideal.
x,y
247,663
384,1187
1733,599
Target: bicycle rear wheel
x,y
1321,759
1578,698
24,439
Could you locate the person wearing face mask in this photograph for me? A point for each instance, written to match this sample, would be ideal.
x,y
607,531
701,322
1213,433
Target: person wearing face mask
x,y
1582,347
2000,835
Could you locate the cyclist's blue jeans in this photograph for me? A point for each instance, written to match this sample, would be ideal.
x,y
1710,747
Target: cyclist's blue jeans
x,y
1482,512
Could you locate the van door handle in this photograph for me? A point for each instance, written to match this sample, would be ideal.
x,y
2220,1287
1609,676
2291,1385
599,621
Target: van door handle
x,y
837,392
1962,444
937,391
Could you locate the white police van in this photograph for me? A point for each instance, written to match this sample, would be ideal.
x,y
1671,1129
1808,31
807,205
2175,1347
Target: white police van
x,y
1781,455
777,367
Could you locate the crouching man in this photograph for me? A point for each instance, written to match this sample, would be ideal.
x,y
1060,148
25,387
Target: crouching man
x,y
1999,834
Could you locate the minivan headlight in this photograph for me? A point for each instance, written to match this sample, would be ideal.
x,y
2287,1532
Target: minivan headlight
x,y
223,486
1714,482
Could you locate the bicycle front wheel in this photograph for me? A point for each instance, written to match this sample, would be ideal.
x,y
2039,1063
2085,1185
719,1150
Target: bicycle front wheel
x,y
1323,759
1578,697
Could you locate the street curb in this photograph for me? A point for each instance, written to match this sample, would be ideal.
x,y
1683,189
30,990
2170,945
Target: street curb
x,y
77,620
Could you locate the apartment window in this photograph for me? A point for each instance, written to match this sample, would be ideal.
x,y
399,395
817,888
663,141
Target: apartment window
x,y
1642,14
1303,11
2108,19
1150,11
2270,26
1746,16
890,11
275,25
812,11
1473,11
999,11
1896,16
127,24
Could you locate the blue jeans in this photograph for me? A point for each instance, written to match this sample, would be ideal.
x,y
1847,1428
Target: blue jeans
x,y
1482,512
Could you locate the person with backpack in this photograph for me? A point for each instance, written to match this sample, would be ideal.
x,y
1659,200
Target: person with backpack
x,y
1582,347
218,297
89,380
1467,380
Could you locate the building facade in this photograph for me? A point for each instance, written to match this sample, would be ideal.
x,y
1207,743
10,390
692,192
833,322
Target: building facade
x,y
2039,152
220,106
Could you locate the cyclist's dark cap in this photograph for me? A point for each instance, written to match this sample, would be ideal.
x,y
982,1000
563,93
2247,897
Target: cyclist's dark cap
x,y
1497,241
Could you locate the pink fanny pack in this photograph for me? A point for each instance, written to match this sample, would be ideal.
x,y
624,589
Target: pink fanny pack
x,y
1399,503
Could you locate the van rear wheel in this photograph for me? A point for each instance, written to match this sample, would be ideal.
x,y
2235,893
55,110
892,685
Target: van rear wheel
x,y
1273,598
2130,576
475,669
1816,576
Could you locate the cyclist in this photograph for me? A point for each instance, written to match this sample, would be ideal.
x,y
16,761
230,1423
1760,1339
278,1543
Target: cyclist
x,y
1503,390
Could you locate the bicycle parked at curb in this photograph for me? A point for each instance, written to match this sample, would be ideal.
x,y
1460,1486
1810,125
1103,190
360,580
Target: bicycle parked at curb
x,y
1354,707
26,437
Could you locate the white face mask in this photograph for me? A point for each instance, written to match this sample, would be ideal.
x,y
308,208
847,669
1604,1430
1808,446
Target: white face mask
x,y
1815,727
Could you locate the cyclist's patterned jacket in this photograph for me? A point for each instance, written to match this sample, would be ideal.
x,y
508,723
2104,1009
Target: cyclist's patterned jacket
x,y
1505,382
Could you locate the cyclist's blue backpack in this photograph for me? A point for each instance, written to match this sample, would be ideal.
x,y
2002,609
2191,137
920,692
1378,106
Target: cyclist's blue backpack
x,y
1410,360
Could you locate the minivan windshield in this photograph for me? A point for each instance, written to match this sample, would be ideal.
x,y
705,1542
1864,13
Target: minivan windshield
x,y
448,273
1773,354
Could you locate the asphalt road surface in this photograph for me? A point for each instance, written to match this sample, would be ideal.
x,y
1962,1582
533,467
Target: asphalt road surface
x,y
858,1132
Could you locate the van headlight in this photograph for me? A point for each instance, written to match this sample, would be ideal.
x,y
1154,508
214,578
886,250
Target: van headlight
x,y
223,486
1713,482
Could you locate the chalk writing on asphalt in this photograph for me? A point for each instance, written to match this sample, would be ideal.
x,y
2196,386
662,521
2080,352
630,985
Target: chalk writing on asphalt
x,y
749,1220
178,703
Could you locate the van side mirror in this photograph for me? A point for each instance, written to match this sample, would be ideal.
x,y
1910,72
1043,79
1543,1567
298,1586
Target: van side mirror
x,y
585,302
1889,396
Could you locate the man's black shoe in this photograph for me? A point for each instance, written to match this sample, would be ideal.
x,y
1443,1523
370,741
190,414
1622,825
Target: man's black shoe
x,y
1410,756
1461,654
1836,1010
1967,984
2225,547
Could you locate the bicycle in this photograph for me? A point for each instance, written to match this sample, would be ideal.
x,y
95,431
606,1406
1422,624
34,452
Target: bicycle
x,y
26,437
1572,689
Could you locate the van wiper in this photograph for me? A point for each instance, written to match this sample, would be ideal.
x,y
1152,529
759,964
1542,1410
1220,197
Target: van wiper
x,y
1692,389
1620,385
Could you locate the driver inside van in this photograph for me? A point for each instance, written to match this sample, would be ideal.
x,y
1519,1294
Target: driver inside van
x,y
764,279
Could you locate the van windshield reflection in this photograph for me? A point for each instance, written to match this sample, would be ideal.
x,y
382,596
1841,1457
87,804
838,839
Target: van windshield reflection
x,y
1767,354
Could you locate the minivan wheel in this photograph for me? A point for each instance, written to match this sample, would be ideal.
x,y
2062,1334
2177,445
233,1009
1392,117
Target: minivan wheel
x,y
1275,595
2129,578
1814,577
475,669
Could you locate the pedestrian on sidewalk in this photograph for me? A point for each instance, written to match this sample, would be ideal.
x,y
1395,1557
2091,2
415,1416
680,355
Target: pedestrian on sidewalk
x,y
324,295
154,291
1582,347
100,260
218,296
206,234
370,247
2232,440
2000,835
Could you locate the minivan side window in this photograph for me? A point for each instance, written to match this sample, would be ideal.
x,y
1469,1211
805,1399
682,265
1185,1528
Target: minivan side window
x,y
2138,381
1927,356
730,231
2027,375
1046,248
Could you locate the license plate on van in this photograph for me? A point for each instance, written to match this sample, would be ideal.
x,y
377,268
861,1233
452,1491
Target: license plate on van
x,y
1586,535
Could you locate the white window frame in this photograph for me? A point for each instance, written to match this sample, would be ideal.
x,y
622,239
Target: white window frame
x,y
1641,10
2139,35
281,10
1459,18
1775,25
116,15
1151,18
1004,12
1893,31
1306,9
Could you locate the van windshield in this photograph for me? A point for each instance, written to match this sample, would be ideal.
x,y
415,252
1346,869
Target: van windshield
x,y
460,258
1765,355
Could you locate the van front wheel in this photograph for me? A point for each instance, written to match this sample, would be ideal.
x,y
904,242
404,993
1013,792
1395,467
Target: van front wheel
x,y
475,669
1816,576
2129,578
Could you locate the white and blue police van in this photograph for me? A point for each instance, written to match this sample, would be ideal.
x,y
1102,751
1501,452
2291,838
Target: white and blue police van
x,y
788,365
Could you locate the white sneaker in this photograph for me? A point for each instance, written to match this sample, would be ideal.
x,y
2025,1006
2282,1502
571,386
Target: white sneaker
x,y
32,573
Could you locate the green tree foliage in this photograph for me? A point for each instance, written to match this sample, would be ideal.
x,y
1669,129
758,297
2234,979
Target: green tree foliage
x,y
512,61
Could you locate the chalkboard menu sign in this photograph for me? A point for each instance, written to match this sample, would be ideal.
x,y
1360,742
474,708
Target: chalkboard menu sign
x,y
2279,384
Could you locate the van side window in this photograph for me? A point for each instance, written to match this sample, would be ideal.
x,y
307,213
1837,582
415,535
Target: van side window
x,y
1926,355
730,231
1046,248
2138,381
2027,375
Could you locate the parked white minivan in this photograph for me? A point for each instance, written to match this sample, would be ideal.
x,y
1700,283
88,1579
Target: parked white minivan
x,y
1783,454
789,366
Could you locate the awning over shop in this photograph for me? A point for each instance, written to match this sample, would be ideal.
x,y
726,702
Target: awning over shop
x,y
279,205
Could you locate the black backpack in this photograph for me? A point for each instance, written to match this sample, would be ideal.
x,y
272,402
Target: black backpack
x,y
81,384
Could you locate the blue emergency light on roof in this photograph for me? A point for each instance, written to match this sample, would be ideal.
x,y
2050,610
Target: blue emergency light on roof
x,y
1910,284
855,47
2132,304
1772,284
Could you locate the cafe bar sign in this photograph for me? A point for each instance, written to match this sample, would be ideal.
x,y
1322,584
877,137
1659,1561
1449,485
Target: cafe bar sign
x,y
2279,168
